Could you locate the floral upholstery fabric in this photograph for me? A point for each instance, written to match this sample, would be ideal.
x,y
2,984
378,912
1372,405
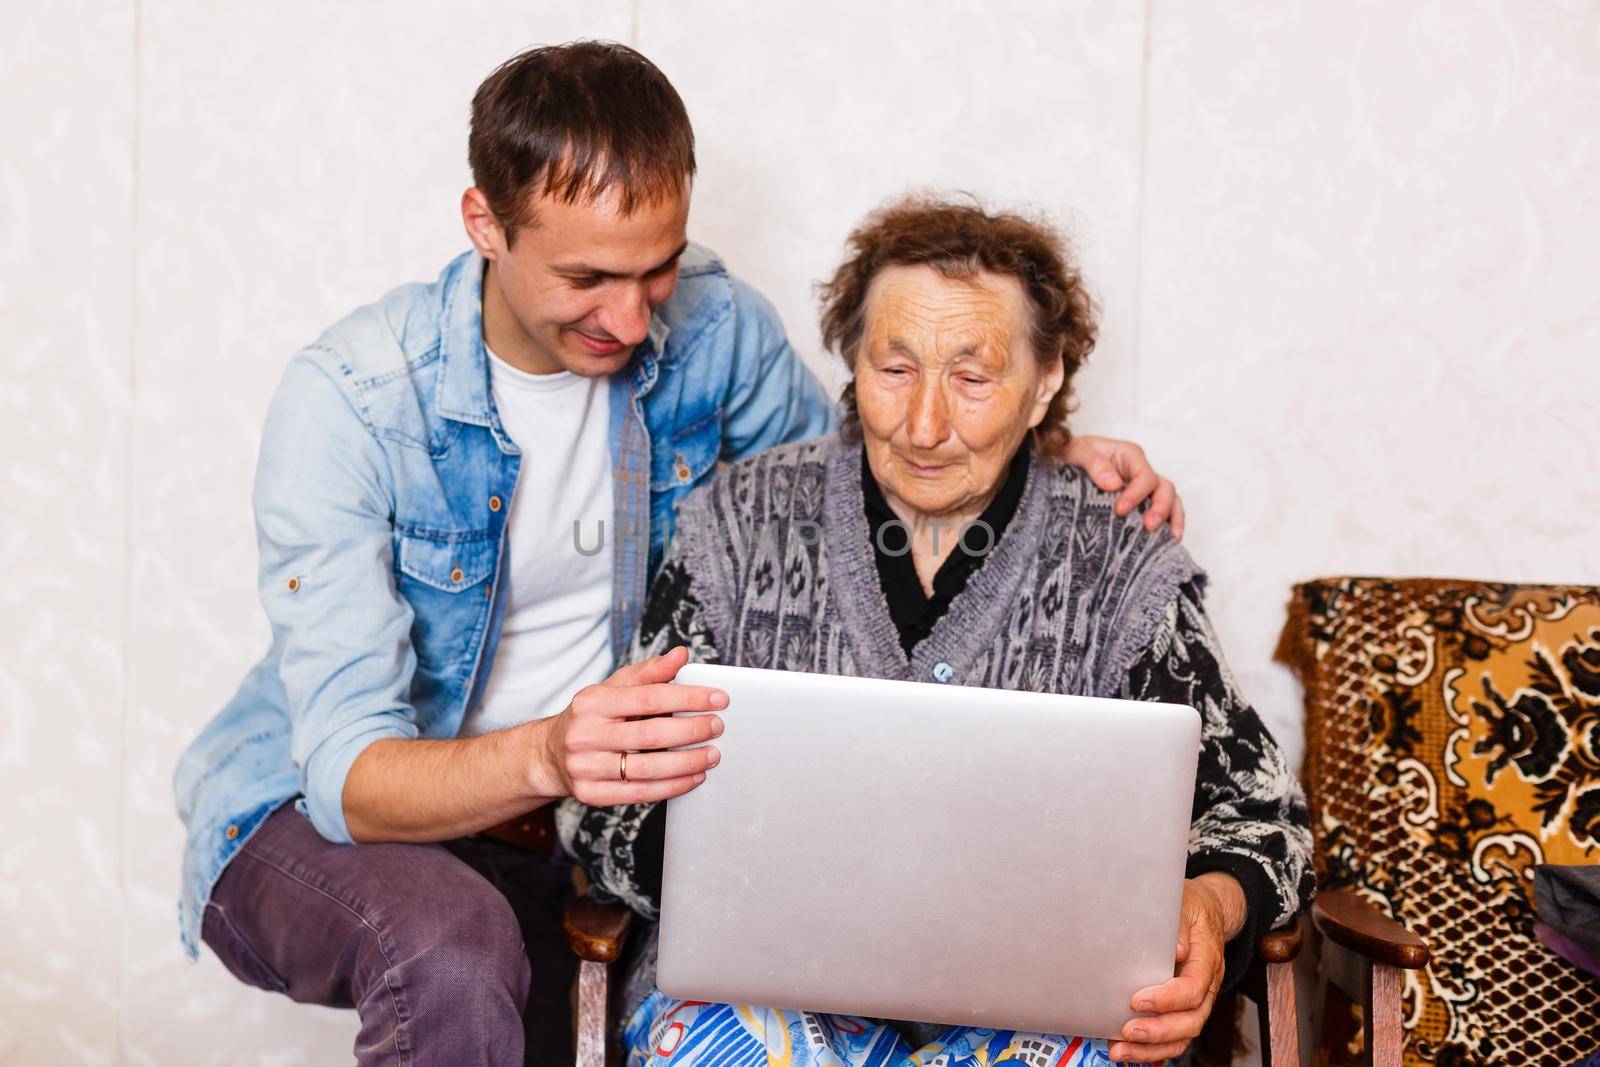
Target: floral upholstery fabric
x,y
1453,742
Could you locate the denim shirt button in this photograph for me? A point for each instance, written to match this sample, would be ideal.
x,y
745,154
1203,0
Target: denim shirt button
x,y
494,503
231,833
683,471
943,672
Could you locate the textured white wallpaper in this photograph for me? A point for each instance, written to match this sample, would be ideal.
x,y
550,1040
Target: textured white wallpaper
x,y
66,317
295,160
1346,254
1370,329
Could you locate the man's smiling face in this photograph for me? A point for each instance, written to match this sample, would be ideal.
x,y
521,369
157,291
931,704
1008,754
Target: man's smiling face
x,y
576,288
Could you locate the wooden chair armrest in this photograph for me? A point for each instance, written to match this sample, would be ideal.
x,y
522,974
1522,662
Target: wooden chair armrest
x,y
1347,920
1269,982
595,931
1281,945
1276,946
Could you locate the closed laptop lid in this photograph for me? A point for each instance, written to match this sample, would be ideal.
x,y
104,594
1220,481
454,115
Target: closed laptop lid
x,y
946,854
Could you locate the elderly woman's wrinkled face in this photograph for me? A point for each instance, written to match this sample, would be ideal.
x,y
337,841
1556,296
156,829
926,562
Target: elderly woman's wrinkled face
x,y
947,386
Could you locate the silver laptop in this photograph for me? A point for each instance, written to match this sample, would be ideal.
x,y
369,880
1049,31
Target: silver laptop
x,y
935,853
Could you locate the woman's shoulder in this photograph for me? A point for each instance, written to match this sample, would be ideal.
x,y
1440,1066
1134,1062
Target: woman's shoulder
x,y
1071,494
1125,573
814,453
1083,517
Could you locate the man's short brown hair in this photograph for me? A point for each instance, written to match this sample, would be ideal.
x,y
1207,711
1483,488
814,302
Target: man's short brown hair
x,y
961,240
577,120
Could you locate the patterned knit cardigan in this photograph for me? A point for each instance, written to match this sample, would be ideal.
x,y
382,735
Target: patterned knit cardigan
x,y
773,566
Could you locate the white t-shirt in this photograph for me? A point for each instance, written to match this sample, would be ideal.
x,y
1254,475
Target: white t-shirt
x,y
556,638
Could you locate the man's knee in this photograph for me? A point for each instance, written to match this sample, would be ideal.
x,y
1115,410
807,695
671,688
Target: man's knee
x,y
380,923
463,941
445,972
450,939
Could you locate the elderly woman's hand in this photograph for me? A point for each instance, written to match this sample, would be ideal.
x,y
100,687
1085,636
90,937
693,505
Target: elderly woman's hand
x,y
1113,465
1213,912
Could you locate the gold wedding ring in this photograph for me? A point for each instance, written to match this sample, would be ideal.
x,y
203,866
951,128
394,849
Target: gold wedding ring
x,y
622,766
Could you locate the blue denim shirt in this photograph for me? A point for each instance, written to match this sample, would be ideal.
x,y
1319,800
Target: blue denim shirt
x,y
381,497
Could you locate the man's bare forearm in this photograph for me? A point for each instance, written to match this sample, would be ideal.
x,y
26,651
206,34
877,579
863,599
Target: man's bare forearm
x,y
399,790
404,790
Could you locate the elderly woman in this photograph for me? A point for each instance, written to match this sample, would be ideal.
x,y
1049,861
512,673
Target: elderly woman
x,y
963,331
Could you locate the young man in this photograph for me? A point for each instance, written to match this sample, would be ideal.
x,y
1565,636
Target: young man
x,y
461,493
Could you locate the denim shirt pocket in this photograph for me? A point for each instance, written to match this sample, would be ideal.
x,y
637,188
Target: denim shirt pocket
x,y
445,578
677,464
449,562
680,461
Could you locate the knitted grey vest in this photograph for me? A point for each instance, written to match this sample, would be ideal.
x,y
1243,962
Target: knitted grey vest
x,y
782,560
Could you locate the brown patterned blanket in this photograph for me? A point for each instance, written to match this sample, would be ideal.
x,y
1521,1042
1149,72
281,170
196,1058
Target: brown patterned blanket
x,y
1453,743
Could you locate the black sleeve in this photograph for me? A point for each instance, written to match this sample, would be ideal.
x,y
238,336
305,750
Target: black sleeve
x,y
620,848
1249,818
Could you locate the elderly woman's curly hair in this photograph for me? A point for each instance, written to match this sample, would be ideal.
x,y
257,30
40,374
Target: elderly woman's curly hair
x,y
961,240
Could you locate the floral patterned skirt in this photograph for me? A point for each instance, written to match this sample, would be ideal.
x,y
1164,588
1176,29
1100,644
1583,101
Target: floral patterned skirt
x,y
663,1031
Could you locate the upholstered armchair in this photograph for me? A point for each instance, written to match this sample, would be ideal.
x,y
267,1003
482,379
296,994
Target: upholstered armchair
x,y
1452,743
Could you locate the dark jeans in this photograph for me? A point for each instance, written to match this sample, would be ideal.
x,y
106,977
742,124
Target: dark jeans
x,y
451,954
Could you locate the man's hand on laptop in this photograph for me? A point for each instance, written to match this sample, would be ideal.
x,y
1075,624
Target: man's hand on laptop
x,y
1213,912
608,746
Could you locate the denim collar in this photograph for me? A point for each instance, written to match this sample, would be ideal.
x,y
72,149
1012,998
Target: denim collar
x,y
646,363
463,390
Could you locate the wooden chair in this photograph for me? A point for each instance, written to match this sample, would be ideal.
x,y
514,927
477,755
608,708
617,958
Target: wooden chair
x,y
596,933
1362,954
1367,952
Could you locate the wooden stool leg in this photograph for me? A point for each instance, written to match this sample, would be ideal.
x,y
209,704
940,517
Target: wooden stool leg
x,y
591,1014
1383,1024
1280,1025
